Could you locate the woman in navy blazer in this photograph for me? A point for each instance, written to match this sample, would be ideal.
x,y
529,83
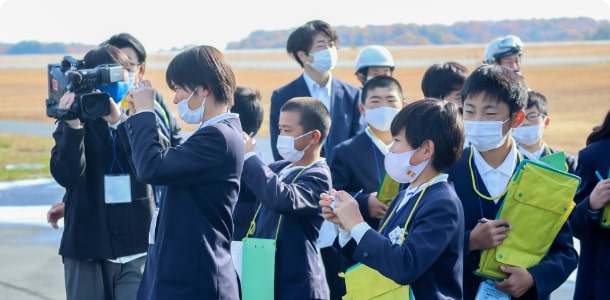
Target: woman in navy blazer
x,y
592,279
189,254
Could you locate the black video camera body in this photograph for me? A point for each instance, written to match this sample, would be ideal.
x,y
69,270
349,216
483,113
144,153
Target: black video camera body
x,y
71,75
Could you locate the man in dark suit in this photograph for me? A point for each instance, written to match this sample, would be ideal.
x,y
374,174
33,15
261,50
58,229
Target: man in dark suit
x,y
313,46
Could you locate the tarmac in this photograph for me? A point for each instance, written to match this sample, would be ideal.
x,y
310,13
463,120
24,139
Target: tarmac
x,y
30,265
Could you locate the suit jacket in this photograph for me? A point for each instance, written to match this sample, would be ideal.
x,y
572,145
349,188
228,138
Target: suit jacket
x,y
592,279
358,164
549,274
298,272
93,229
430,258
190,257
344,112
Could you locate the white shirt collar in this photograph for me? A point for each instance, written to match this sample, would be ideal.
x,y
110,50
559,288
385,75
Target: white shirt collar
x,y
532,155
289,168
411,191
497,179
378,143
315,90
507,167
217,119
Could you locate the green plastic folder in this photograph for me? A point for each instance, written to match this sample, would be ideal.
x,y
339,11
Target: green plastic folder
x,y
539,201
258,269
556,160
388,189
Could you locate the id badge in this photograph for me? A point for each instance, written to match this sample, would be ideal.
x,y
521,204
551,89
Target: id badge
x,y
488,291
117,189
152,232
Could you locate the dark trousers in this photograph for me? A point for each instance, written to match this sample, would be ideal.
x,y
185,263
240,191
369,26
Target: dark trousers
x,y
333,265
102,279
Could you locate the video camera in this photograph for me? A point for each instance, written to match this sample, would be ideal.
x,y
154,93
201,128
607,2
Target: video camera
x,y
71,75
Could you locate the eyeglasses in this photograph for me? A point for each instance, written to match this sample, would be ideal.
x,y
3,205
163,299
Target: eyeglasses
x,y
533,116
132,65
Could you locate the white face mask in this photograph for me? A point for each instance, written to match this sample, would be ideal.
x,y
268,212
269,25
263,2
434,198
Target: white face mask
x,y
190,116
485,135
398,166
528,135
285,147
132,79
324,60
381,117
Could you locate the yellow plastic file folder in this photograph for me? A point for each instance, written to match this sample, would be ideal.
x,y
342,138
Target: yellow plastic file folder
x,y
388,189
363,282
538,202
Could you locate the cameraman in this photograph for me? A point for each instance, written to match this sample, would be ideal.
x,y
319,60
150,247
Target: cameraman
x,y
107,210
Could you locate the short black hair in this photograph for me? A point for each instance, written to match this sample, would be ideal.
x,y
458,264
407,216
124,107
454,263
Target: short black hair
x,y
104,55
441,79
247,103
434,120
125,39
497,83
381,81
206,66
314,114
538,100
302,38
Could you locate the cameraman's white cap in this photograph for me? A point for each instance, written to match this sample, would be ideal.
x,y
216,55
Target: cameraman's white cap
x,y
374,56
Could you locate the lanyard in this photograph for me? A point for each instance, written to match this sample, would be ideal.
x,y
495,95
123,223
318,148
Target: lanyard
x,y
114,156
252,228
404,230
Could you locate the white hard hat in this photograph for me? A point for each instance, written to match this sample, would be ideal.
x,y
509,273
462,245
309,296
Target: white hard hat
x,y
374,56
502,46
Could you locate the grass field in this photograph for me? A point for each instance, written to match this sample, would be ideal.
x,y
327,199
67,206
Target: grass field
x,y
578,93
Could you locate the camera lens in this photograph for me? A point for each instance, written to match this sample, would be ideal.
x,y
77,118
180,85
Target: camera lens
x,y
94,105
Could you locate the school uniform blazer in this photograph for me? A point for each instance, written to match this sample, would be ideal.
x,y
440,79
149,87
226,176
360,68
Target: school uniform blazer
x,y
298,272
592,280
344,112
430,258
358,164
549,274
190,257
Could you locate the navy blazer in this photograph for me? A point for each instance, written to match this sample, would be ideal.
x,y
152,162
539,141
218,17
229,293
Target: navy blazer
x,y
190,257
298,272
345,116
430,258
592,280
358,164
549,274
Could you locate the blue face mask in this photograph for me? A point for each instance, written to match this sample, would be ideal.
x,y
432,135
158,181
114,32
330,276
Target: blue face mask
x,y
116,90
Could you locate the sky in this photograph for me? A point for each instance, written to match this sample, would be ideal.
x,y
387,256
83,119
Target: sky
x,y
162,25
